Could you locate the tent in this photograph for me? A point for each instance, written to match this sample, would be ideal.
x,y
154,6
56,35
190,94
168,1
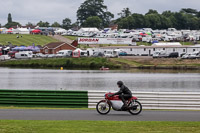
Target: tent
x,y
23,31
143,34
21,48
60,31
15,31
36,31
32,48
9,31
88,30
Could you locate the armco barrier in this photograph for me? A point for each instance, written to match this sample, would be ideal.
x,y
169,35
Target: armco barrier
x,y
42,98
157,100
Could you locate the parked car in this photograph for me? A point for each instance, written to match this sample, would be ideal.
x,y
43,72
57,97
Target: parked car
x,y
12,54
111,54
122,53
83,54
194,55
40,55
51,55
64,53
173,55
98,54
186,56
4,57
24,55
160,54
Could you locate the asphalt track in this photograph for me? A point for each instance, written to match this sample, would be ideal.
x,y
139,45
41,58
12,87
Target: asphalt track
x,y
68,114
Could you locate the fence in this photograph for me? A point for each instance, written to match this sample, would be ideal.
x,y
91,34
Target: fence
x,y
157,100
69,99
89,99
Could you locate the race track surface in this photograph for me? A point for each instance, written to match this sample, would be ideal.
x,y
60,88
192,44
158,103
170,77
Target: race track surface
x,y
68,114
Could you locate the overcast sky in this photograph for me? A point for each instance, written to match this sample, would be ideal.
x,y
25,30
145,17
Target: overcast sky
x,y
25,11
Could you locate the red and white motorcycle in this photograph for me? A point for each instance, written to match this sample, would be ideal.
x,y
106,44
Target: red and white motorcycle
x,y
103,107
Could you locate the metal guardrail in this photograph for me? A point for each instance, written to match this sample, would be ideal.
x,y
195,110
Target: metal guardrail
x,y
157,100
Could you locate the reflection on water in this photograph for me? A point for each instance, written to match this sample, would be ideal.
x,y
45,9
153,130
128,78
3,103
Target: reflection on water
x,y
137,80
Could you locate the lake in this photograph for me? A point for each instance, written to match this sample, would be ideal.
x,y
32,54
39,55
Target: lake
x,y
136,80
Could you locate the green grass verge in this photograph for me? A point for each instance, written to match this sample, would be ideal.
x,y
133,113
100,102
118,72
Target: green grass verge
x,y
131,63
34,126
71,37
72,63
25,40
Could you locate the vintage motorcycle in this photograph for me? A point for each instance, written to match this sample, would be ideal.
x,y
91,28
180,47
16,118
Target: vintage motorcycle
x,y
103,107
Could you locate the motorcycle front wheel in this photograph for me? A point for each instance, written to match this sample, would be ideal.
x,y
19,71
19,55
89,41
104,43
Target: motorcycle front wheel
x,y
135,107
103,107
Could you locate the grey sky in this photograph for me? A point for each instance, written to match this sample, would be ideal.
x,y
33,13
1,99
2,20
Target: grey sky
x,y
25,11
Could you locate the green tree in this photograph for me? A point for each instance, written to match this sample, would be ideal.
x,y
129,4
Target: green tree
x,y
127,23
198,14
9,18
125,13
91,8
139,20
66,23
189,11
11,24
167,13
93,21
30,24
151,11
152,21
43,24
55,24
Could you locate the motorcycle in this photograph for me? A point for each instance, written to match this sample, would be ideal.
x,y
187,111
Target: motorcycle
x,y
103,107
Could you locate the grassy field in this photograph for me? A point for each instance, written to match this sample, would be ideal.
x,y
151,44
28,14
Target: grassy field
x,y
34,126
71,37
165,63
72,63
25,40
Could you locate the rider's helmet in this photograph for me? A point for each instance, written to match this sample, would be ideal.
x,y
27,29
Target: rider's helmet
x,y
120,83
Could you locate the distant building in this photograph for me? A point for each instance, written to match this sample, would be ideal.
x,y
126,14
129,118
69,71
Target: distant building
x,y
54,47
113,26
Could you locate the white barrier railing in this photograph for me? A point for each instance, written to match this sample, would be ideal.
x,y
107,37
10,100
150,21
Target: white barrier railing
x,y
156,100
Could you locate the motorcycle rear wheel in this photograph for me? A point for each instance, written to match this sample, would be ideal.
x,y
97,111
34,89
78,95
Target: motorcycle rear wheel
x,y
103,107
135,107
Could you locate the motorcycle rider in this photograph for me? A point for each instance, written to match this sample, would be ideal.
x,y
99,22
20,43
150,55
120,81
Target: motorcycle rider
x,y
124,94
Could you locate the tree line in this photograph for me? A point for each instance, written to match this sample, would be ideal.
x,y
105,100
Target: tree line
x,y
186,18
93,13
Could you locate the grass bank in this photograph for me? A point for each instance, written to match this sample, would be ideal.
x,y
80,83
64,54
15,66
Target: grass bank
x,y
34,126
160,63
67,63
71,37
25,40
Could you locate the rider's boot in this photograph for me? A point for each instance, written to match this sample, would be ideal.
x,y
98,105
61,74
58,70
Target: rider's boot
x,y
125,106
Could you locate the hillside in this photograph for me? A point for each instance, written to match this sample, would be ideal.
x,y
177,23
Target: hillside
x,y
25,40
